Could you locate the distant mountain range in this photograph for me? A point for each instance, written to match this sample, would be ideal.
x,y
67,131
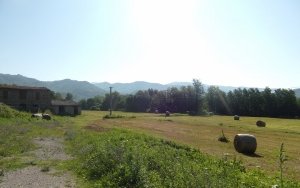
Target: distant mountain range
x,y
129,88
84,89
79,89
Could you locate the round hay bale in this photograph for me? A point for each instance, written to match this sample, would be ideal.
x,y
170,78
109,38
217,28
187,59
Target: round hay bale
x,y
236,117
167,113
245,143
260,123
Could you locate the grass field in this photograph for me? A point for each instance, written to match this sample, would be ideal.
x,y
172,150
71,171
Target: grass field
x,y
202,133
149,150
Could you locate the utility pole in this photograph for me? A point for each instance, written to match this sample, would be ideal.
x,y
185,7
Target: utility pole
x,y
110,104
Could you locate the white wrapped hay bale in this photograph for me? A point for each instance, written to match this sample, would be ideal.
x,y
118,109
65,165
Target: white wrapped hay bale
x,y
245,143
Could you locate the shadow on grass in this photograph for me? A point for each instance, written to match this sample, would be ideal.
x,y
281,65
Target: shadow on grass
x,y
253,155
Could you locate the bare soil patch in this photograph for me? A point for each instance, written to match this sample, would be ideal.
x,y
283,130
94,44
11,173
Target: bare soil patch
x,y
35,176
50,149
32,177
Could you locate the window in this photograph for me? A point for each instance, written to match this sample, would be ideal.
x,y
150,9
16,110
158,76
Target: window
x,y
23,94
35,108
37,96
23,107
5,94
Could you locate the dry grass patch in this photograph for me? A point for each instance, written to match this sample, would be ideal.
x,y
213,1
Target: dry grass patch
x,y
203,132
96,128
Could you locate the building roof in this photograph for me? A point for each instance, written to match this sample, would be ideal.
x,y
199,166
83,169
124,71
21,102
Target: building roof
x,y
22,87
63,103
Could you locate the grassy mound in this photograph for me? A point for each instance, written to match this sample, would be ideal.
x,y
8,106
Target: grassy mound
x,y
8,112
120,158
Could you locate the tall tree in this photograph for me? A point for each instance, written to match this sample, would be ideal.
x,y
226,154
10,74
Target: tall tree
x,y
216,100
236,101
199,92
118,102
83,104
56,95
286,102
69,97
269,103
255,102
298,104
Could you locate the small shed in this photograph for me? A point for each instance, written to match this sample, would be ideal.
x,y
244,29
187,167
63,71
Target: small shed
x,y
65,107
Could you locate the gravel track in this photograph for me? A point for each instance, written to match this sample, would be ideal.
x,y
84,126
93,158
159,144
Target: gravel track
x,y
33,176
50,149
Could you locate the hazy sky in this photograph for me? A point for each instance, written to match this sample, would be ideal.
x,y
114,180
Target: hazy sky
x,y
253,43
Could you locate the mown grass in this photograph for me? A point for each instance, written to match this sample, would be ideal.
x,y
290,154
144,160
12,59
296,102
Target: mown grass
x,y
203,132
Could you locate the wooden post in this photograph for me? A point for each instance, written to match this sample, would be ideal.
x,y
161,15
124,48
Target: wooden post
x,y
110,104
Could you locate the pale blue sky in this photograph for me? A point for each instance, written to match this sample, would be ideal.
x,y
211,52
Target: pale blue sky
x,y
253,43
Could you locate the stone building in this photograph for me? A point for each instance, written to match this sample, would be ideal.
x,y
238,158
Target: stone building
x,y
26,98
36,99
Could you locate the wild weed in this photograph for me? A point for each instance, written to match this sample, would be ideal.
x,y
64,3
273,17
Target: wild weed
x,y
282,159
223,138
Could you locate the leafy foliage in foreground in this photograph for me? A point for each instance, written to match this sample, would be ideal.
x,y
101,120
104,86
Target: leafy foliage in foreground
x,y
119,158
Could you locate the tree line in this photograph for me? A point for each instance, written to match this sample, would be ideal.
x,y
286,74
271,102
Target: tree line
x,y
61,96
195,101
